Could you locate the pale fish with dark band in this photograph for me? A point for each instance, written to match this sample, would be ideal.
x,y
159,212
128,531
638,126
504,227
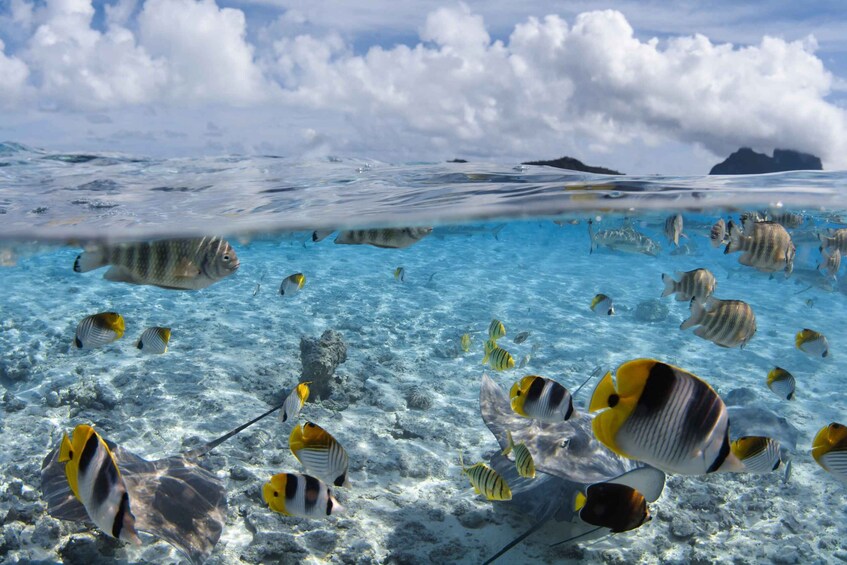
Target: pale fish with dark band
x,y
664,416
486,481
829,449
698,284
728,323
767,247
95,480
758,454
295,494
320,454
294,402
154,340
523,458
390,238
782,383
541,399
179,264
603,305
812,342
292,284
98,330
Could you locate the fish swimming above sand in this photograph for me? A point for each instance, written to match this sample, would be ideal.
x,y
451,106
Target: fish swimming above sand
x,y
625,239
829,449
294,402
611,505
567,459
782,383
497,358
177,264
673,229
389,238
727,323
521,337
486,481
541,399
98,330
295,494
602,304
698,284
292,284
664,416
523,458
466,342
812,342
766,245
154,340
758,454
400,274
173,499
496,330
320,454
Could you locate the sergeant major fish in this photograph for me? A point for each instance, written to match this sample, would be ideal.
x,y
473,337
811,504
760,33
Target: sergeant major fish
x,y
178,264
717,235
698,284
496,330
497,358
830,262
768,247
391,238
727,323
834,239
673,228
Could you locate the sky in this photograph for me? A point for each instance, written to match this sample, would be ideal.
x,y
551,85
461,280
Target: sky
x,y
647,87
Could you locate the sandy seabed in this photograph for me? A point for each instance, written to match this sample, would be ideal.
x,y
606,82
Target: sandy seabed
x,y
235,352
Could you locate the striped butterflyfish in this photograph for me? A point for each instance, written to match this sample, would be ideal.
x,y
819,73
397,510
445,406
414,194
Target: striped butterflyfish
x,y
98,330
611,505
829,449
497,358
698,284
390,238
812,342
154,340
523,458
541,399
96,482
295,494
496,330
602,304
320,454
766,246
758,454
782,383
664,416
727,323
292,284
178,264
294,402
486,481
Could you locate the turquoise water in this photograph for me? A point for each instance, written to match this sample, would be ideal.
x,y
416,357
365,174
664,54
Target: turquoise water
x,y
235,348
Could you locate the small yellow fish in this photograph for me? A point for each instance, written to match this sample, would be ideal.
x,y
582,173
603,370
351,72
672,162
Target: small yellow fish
x,y
523,458
466,342
99,329
497,358
486,481
812,342
400,274
496,330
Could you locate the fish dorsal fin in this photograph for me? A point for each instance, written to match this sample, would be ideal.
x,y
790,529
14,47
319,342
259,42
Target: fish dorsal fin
x,y
647,480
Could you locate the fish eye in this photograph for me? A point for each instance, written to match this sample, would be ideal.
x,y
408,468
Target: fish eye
x,y
226,257
518,393
276,494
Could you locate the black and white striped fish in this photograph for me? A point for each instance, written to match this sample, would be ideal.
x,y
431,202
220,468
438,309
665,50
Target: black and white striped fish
x,y
728,323
390,238
179,264
295,494
834,239
95,480
758,454
320,454
541,399
782,383
829,449
664,416
523,458
766,246
98,330
698,284
154,340
486,481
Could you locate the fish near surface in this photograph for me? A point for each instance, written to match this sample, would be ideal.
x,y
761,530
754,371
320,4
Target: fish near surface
x,y
625,239
178,264
727,323
698,284
766,245
389,238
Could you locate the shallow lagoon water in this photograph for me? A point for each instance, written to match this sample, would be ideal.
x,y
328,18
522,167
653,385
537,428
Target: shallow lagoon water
x,y
235,352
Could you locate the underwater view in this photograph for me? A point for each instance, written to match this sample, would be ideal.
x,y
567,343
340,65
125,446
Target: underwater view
x,y
267,360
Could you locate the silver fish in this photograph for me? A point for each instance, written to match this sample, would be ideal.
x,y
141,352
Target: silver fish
x,y
766,246
699,284
179,264
521,337
728,323
390,238
673,228
625,239
154,340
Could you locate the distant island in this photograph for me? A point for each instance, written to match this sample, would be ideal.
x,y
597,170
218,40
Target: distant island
x,y
574,165
745,161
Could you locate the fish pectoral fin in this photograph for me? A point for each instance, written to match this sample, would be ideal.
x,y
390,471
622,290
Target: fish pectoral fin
x,y
117,273
187,268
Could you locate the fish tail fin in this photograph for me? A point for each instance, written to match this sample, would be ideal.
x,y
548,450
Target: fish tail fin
x,y
90,259
734,238
698,311
511,444
670,285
